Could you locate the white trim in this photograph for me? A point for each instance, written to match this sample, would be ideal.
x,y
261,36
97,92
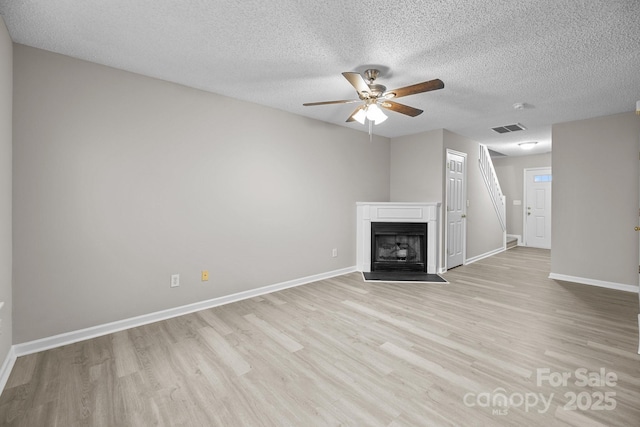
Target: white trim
x,y
108,328
483,256
7,366
594,282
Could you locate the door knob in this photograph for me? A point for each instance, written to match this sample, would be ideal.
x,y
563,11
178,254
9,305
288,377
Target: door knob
x,y
463,216
637,228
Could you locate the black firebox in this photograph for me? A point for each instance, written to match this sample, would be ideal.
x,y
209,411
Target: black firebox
x,y
398,246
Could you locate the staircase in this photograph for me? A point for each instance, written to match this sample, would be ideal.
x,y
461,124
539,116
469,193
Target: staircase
x,y
493,186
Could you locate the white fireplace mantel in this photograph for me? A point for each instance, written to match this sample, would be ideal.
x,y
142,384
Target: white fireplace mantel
x,y
369,212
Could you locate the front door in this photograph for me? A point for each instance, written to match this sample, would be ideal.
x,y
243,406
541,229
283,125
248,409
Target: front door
x,y
456,208
537,212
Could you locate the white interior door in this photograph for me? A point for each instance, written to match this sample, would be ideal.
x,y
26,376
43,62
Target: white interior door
x,y
537,212
456,208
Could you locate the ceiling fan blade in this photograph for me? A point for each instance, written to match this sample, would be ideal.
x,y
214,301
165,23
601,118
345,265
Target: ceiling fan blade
x,y
344,101
351,117
357,82
400,108
413,89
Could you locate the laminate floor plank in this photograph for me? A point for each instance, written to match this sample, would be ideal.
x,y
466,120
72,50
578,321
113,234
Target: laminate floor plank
x,y
344,352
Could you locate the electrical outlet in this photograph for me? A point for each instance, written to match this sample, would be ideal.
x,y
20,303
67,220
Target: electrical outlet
x,y
334,253
205,275
175,280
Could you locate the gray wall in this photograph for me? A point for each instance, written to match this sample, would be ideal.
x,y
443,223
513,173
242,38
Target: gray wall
x,y
484,233
416,167
510,171
416,173
595,198
121,180
6,93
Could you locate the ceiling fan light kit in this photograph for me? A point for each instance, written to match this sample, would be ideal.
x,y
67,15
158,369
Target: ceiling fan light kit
x,y
371,112
375,96
360,115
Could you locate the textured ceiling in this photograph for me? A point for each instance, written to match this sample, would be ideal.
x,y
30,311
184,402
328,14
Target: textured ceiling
x,y
566,60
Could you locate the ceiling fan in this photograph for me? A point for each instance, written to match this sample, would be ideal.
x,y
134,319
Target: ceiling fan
x,y
377,95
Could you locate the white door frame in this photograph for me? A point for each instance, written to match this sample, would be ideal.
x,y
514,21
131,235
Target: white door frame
x,y
446,209
524,199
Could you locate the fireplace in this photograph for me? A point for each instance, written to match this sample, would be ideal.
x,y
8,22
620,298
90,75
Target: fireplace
x,y
424,215
398,246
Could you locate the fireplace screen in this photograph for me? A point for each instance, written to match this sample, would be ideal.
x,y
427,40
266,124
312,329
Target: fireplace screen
x,y
398,246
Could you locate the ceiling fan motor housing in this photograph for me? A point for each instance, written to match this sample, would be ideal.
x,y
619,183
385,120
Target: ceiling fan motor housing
x,y
377,90
371,74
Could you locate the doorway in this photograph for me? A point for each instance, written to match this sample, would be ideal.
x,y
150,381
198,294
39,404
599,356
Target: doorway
x,y
456,208
537,211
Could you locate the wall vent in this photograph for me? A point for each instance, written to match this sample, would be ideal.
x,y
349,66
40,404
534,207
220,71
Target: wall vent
x,y
509,128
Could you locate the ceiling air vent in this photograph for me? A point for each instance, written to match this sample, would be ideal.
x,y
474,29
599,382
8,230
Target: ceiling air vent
x,y
509,128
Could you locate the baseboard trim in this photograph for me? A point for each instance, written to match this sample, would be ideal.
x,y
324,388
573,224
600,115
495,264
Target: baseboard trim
x,y
7,366
594,282
483,256
120,325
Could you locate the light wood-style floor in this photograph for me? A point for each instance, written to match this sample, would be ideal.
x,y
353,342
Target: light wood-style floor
x,y
346,352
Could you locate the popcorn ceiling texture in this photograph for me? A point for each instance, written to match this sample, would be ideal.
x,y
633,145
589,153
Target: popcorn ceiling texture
x,y
566,60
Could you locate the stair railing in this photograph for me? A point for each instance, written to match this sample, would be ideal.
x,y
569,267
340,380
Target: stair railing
x,y
493,185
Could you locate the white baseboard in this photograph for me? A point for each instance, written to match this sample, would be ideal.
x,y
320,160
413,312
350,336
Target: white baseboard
x,y
483,256
7,366
120,325
594,282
